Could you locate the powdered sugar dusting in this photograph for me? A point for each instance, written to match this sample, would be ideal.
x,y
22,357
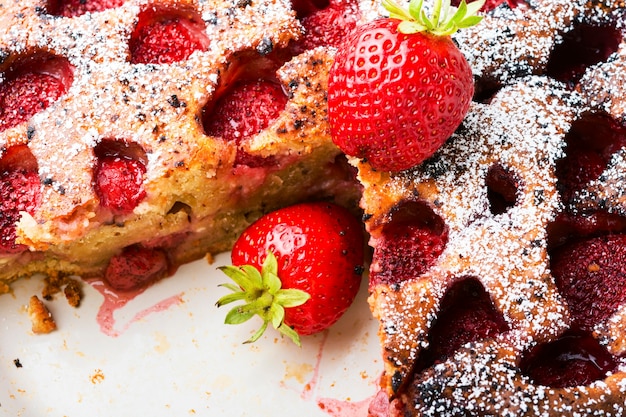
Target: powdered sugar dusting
x,y
521,130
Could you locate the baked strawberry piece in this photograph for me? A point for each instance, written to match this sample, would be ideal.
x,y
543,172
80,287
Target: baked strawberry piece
x,y
408,245
31,85
20,191
245,109
326,23
136,267
118,177
466,315
591,142
583,46
73,8
575,358
165,38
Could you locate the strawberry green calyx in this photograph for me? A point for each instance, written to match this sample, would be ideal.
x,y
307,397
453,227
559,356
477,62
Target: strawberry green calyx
x,y
444,21
262,295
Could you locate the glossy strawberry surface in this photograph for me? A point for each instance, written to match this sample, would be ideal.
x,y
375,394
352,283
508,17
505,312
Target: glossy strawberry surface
x,y
319,249
395,98
575,358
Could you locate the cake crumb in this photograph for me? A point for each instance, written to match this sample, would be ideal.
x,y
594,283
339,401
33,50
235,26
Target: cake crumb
x,y
40,317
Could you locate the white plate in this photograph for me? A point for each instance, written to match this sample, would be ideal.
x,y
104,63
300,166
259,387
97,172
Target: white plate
x,y
168,353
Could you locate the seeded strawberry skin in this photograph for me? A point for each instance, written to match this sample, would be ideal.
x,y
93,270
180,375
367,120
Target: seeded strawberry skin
x,y
393,98
319,249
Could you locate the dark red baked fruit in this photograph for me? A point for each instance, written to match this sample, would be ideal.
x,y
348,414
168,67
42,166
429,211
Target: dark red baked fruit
x,y
73,8
582,47
244,110
466,314
409,244
591,274
165,39
136,267
20,191
590,144
326,23
30,86
574,359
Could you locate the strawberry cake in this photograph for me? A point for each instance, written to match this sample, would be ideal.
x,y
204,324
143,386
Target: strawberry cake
x,y
498,268
139,135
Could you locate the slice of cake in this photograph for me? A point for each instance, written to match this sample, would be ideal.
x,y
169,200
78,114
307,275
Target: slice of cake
x,y
139,135
497,275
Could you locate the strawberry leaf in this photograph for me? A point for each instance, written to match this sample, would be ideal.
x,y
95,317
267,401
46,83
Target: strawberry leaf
x,y
257,334
237,316
442,22
262,295
290,333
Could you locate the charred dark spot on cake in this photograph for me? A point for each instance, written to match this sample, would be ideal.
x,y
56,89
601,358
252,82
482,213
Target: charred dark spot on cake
x,y
576,358
19,192
31,83
435,167
243,3
175,102
17,363
502,189
165,35
396,381
74,8
4,55
410,243
265,47
590,144
119,174
585,45
466,314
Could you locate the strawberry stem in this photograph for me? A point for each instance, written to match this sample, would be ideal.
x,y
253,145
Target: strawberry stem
x,y
441,23
262,296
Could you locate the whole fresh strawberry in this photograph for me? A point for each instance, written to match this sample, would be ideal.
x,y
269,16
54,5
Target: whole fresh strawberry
x,y
399,86
298,268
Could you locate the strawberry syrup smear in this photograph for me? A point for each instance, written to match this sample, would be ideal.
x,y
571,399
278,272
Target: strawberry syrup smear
x,y
116,300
